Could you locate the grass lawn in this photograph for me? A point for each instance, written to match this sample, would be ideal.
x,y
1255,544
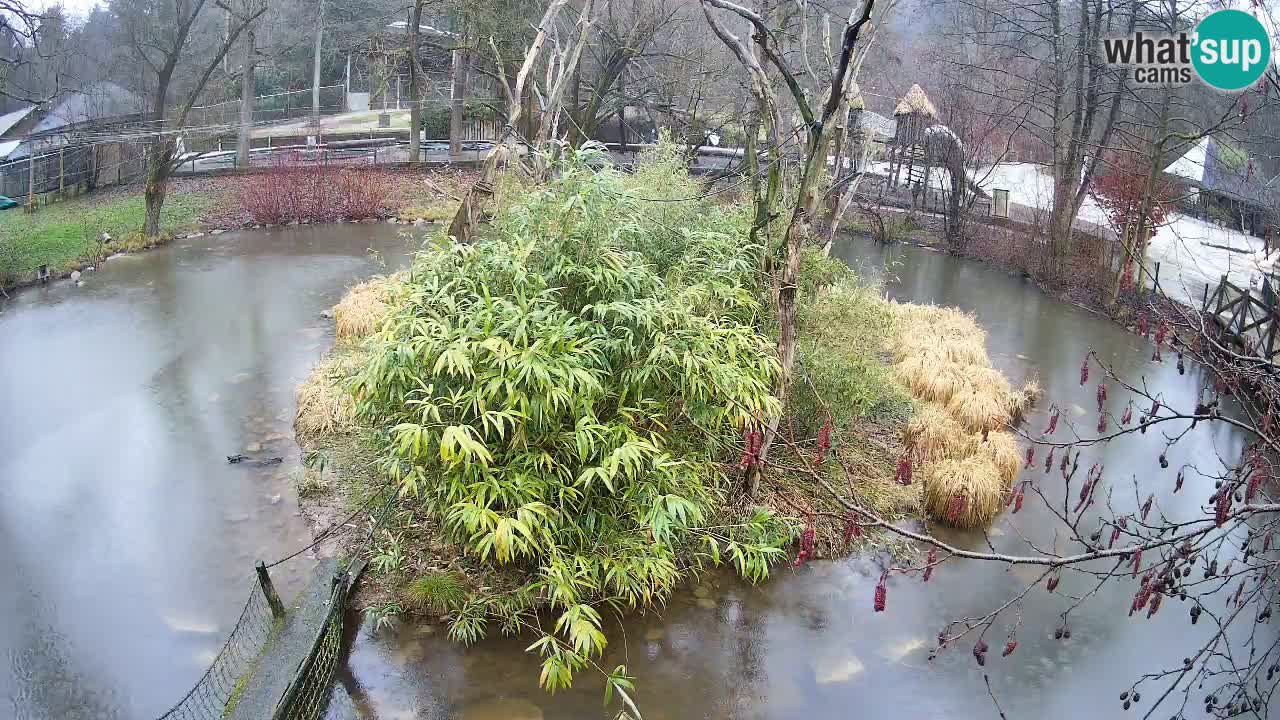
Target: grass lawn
x,y
63,234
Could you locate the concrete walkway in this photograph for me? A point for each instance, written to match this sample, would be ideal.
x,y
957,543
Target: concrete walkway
x,y
288,647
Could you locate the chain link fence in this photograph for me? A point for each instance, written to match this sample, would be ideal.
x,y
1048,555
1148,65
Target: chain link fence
x,y
218,688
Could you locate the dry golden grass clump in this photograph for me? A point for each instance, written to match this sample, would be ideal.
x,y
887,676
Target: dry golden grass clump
x,y
964,493
958,433
324,407
361,311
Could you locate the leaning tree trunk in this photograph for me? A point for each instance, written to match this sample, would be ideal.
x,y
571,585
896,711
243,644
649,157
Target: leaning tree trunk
x,y
158,158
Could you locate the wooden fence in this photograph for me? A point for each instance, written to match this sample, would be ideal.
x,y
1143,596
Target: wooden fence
x,y
1245,319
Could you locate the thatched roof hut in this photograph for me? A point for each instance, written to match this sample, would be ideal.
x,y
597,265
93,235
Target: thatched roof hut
x,y
915,102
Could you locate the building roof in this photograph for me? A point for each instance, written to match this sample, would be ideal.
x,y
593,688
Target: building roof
x,y
1215,166
915,101
94,102
876,125
424,28
8,120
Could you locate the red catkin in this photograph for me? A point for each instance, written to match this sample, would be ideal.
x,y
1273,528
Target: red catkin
x,y
928,568
1017,498
956,508
1223,506
1031,456
980,652
1102,395
1181,477
1048,460
1144,324
1052,583
1084,371
1146,506
1255,482
1102,424
903,476
1266,541
1127,417
1137,561
881,593
824,440
1053,421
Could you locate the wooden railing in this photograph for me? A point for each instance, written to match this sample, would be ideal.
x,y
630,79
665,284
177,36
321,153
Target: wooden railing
x,y
1245,319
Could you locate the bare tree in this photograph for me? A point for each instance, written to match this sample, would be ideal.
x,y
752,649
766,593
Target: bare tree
x,y
818,132
161,33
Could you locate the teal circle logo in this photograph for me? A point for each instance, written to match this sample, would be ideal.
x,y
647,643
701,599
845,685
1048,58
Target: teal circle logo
x,y
1231,50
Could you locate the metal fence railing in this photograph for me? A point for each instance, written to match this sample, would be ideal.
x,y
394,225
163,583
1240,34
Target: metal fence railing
x,y
217,688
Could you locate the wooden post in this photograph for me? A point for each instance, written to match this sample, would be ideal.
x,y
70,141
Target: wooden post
x,y
269,590
62,174
1155,278
31,180
1204,300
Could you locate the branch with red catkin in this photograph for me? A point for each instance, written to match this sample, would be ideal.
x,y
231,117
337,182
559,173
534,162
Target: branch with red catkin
x,y
752,439
1010,644
807,539
824,440
929,563
980,652
1053,422
904,471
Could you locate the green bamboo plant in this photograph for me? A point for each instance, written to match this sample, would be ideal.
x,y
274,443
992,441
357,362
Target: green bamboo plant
x,y
563,394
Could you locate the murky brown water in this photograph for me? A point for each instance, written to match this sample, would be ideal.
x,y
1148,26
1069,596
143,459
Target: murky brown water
x,y
126,540
807,644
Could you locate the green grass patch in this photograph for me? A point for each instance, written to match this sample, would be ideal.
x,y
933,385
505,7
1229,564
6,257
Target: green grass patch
x,y
63,234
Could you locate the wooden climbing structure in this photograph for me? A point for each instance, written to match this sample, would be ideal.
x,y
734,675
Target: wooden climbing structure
x,y
913,114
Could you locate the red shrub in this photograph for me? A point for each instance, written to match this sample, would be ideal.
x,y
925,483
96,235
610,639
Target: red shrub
x,y
315,191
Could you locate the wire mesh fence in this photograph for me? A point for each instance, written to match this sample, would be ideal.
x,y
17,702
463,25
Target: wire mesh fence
x,y
308,694
272,108
218,687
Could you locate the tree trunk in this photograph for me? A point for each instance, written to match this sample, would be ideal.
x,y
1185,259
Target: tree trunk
x,y
247,91
1061,220
158,157
415,100
315,65
458,100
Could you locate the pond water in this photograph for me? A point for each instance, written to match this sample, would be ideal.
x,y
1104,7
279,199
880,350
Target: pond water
x,y
126,539
806,643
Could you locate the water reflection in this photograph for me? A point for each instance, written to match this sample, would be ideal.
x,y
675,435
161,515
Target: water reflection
x,y
125,538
